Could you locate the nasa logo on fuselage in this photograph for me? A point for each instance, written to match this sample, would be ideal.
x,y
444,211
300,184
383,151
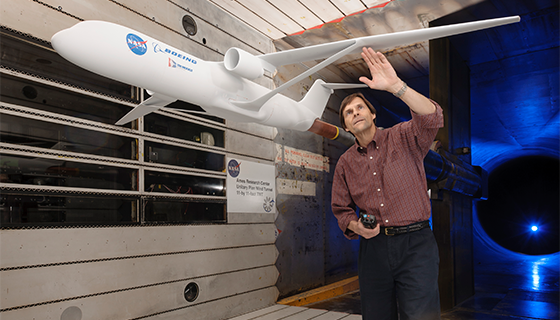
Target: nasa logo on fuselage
x,y
233,168
136,44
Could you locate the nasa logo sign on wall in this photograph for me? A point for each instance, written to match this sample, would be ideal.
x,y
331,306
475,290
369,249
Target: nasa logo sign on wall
x,y
233,168
136,44
268,204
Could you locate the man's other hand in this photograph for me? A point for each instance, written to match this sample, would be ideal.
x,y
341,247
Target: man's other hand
x,y
366,233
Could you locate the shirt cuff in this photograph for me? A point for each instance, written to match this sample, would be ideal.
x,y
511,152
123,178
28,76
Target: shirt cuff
x,y
349,234
432,120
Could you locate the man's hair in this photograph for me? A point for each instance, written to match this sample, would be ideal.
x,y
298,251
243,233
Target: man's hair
x,y
349,99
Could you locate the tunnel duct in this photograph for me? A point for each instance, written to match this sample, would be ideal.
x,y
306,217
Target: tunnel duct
x,y
446,171
443,171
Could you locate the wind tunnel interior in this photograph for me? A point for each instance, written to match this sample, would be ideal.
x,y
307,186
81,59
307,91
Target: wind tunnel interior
x,y
521,213
515,124
514,94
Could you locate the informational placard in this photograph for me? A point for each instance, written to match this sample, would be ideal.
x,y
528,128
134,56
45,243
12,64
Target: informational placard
x,y
250,187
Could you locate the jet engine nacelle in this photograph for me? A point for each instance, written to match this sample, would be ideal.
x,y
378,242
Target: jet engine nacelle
x,y
244,64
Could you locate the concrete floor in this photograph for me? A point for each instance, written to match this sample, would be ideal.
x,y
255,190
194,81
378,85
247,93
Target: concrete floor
x,y
507,286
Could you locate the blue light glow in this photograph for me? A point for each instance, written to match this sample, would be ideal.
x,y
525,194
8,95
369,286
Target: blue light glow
x,y
534,228
536,277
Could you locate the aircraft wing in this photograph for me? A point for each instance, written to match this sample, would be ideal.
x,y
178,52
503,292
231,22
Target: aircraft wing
x,y
378,42
335,50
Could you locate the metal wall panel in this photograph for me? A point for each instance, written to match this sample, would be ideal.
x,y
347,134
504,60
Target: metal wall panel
x,y
349,6
244,14
35,19
276,17
249,145
131,272
298,12
254,128
32,247
208,33
236,217
27,286
151,300
324,9
123,15
227,23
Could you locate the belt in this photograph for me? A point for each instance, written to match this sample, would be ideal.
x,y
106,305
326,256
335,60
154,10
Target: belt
x,y
391,231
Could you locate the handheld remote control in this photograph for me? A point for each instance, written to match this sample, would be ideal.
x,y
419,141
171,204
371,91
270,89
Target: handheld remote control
x,y
368,220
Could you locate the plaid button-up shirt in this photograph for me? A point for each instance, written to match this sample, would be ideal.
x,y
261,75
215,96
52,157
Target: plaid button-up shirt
x,y
387,178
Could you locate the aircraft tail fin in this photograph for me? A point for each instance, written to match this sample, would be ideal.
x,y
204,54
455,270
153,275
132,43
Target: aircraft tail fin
x,y
318,96
153,103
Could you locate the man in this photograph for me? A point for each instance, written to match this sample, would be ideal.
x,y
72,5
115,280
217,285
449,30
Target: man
x,y
383,175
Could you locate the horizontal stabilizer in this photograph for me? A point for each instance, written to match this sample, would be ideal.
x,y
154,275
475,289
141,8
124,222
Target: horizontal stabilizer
x,y
188,111
153,103
344,85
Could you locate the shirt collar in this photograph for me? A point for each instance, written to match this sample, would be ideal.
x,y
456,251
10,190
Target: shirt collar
x,y
372,143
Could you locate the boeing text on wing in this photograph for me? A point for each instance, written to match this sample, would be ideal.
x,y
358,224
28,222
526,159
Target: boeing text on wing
x,y
222,89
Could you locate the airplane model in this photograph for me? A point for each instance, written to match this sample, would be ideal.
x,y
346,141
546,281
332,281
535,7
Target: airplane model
x,y
225,89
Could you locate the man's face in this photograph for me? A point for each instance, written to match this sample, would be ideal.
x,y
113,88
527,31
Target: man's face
x,y
357,116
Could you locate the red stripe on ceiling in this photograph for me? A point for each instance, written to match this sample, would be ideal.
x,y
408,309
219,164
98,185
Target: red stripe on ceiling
x,y
340,19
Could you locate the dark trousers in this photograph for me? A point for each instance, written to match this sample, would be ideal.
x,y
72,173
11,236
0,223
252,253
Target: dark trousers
x,y
399,276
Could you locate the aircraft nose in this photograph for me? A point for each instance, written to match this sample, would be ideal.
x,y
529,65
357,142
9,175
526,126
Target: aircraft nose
x,y
58,39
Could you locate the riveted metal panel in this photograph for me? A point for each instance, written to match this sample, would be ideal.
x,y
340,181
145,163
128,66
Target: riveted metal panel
x,y
210,33
152,299
35,19
128,272
51,11
298,12
27,286
236,217
249,145
254,128
241,12
31,247
227,23
325,10
349,6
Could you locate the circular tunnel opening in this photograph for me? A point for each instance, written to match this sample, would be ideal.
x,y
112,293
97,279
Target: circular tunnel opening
x,y
523,207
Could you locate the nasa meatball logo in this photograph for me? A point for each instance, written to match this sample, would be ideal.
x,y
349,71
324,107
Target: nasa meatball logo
x,y
136,44
268,204
233,168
